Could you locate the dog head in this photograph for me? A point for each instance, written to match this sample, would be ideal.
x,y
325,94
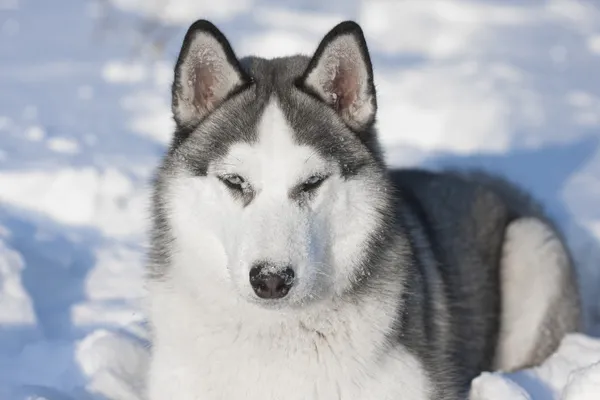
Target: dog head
x,y
274,186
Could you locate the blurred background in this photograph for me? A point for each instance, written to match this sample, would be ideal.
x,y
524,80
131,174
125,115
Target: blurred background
x,y
511,86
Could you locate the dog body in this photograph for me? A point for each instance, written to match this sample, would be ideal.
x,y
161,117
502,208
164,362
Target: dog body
x,y
288,262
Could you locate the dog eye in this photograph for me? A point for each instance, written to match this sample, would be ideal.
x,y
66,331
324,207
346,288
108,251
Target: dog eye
x,y
234,182
312,183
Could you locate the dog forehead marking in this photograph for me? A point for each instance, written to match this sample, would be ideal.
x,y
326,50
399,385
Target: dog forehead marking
x,y
276,158
275,134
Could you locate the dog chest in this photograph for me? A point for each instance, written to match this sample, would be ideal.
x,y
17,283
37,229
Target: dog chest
x,y
232,366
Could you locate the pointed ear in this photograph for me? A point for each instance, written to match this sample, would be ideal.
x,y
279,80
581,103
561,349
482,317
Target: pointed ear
x,y
340,74
206,73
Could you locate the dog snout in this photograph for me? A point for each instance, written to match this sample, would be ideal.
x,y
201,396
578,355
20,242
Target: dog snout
x,y
270,282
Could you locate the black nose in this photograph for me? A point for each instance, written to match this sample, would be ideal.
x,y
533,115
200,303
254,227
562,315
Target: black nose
x,y
271,283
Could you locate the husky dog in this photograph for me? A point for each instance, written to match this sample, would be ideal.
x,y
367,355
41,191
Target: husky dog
x,y
288,262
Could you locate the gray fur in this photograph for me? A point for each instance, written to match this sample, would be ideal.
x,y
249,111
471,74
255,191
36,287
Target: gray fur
x,y
454,223
460,218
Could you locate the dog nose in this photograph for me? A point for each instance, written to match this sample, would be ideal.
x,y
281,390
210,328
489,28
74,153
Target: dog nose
x,y
269,283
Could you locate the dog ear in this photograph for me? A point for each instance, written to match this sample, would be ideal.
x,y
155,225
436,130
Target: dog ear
x,y
340,74
206,73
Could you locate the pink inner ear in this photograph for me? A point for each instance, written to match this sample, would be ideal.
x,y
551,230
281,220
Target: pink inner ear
x,y
345,87
204,82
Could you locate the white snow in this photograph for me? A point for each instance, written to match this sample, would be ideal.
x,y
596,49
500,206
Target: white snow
x,y
63,145
572,373
185,11
35,133
120,72
107,200
585,384
16,305
84,118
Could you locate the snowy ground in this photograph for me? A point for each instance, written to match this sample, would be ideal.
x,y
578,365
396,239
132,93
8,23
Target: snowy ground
x,y
510,86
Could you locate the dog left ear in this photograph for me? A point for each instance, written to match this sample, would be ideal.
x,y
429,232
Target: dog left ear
x,y
340,74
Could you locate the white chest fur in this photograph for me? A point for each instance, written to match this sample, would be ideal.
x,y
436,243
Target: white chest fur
x,y
213,353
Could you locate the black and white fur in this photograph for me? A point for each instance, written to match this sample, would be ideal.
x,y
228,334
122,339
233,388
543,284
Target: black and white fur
x,y
406,284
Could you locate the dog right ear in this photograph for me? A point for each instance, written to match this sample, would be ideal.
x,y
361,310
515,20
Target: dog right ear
x,y
206,73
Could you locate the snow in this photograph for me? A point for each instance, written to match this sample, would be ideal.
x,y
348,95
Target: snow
x,y
84,117
572,373
185,11
101,198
